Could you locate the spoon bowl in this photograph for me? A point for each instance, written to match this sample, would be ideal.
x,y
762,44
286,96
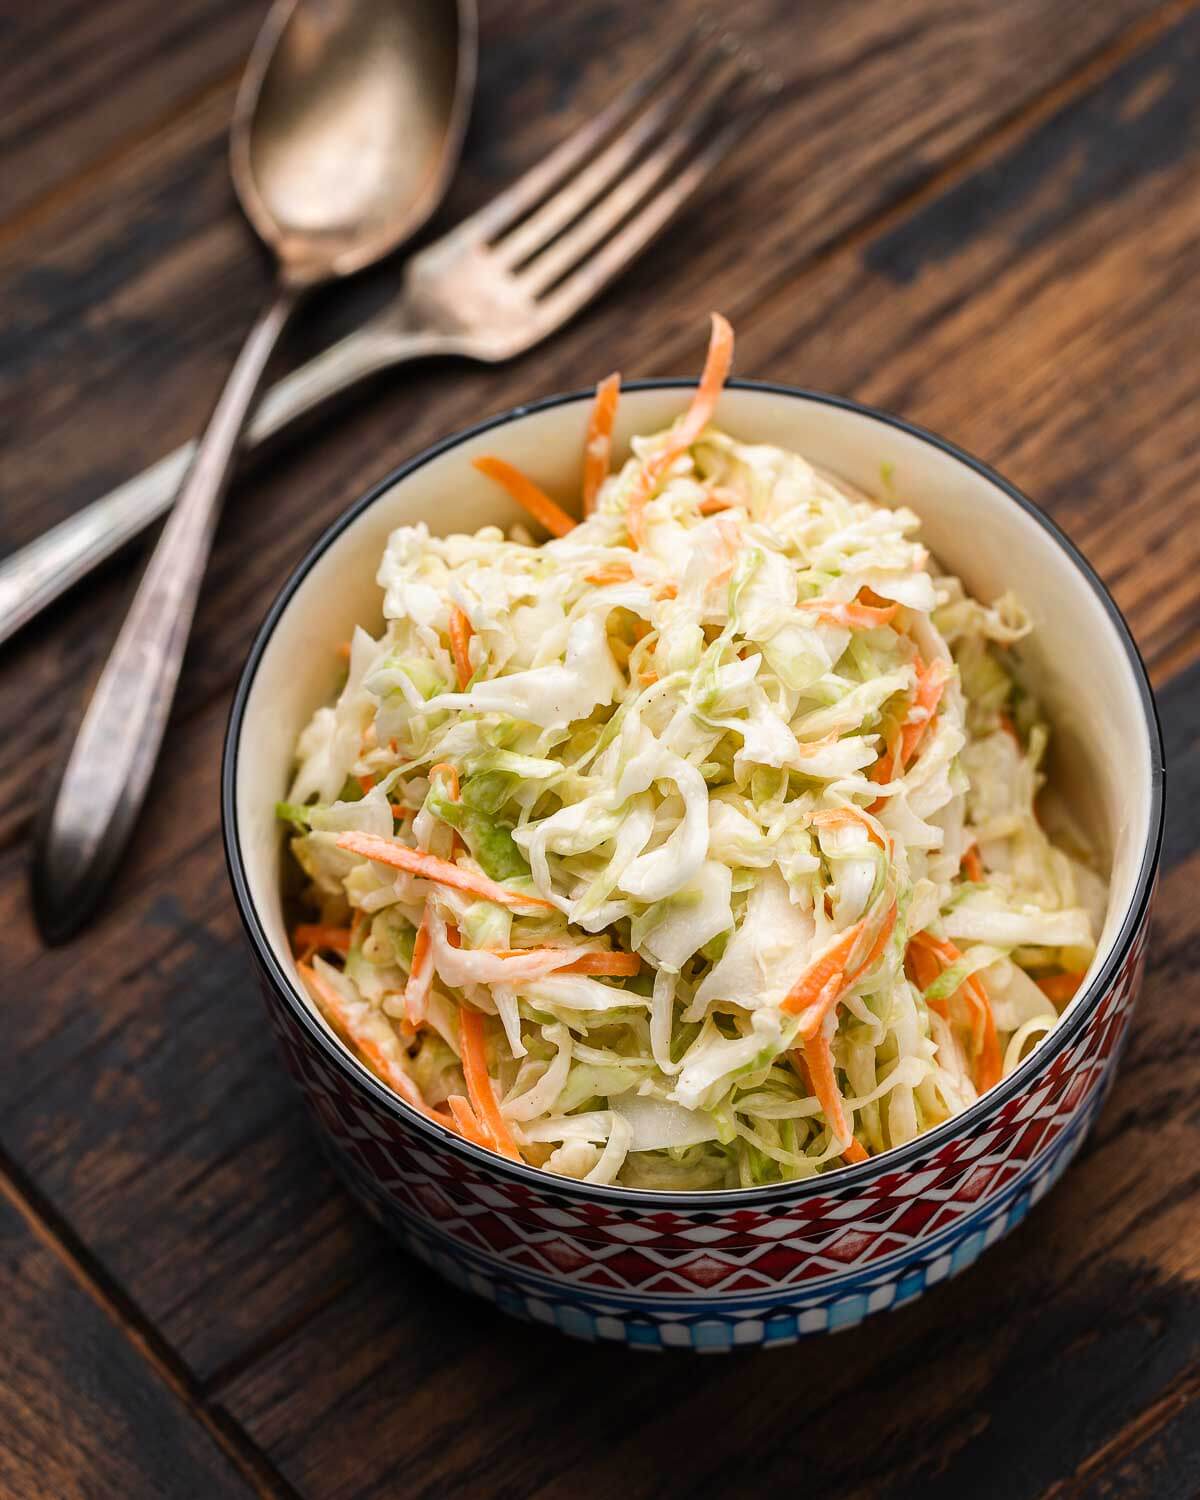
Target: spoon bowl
x,y
348,125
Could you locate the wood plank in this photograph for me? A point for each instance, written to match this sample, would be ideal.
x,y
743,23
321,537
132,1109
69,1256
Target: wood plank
x,y
81,1412
82,83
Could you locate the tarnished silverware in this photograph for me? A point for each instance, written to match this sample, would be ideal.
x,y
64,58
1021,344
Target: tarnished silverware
x,y
347,126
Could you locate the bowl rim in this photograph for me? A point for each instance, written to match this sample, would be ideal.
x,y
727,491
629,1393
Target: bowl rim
x,y
845,1177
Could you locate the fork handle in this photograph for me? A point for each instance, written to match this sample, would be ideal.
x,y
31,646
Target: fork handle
x,y
110,764
36,575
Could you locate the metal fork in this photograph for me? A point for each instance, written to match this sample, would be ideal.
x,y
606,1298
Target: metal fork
x,y
499,283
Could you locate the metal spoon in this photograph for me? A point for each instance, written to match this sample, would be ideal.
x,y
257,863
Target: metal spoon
x,y
347,127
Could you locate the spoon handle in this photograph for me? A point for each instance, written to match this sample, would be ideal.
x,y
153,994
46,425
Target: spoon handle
x,y
113,757
34,576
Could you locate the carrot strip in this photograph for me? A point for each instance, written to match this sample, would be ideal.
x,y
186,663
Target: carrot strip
x,y
333,1007
460,641
343,650
818,1055
614,572
479,1084
972,864
366,782
988,1061
314,935
400,812
931,683
430,867
597,451
420,975
527,495
838,817
444,768
695,420
854,615
467,1122
714,503
855,1151
809,988
812,1015
615,963
1010,729
1060,987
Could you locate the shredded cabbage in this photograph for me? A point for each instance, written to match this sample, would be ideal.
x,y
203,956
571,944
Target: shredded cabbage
x,y
771,738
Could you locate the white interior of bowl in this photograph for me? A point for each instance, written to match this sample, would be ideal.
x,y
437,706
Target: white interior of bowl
x,y
1083,675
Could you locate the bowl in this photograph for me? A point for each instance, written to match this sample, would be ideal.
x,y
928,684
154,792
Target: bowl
x,y
715,1270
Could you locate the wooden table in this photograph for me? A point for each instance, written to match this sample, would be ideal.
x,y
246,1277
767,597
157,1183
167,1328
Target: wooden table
x,y
983,216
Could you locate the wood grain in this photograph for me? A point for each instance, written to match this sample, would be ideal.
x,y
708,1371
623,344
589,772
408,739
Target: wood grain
x,y
82,1414
83,84
983,217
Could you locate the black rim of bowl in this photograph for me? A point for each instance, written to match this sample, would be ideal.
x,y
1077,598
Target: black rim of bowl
x,y
838,1178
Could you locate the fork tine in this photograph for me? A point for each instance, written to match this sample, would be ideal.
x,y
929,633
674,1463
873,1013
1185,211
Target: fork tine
x,y
651,176
529,190
578,191
594,275
610,211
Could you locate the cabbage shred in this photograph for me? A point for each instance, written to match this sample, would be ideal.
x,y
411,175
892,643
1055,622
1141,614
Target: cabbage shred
x,y
652,740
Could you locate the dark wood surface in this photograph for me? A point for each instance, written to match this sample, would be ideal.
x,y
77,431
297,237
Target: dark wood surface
x,y
985,217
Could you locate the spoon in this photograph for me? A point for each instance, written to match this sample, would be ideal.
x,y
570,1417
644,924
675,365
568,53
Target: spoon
x,y
346,130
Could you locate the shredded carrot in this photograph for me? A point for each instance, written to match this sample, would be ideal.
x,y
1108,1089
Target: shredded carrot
x,y
366,782
597,452
712,504
430,867
479,1085
931,683
923,969
614,572
1060,987
818,1056
972,864
856,615
444,768
988,1060
460,641
647,677
344,650
527,495
610,963
855,1152
333,1007
399,811
810,987
310,936
815,993
420,975
667,591
467,1122
838,817
1010,729
695,420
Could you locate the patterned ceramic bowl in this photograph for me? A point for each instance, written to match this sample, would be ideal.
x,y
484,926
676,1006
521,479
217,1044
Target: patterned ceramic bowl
x,y
712,1270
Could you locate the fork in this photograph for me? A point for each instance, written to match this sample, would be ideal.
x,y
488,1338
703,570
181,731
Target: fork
x,y
496,285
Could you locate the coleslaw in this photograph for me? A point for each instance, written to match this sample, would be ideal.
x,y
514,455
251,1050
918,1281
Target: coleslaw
x,y
696,847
